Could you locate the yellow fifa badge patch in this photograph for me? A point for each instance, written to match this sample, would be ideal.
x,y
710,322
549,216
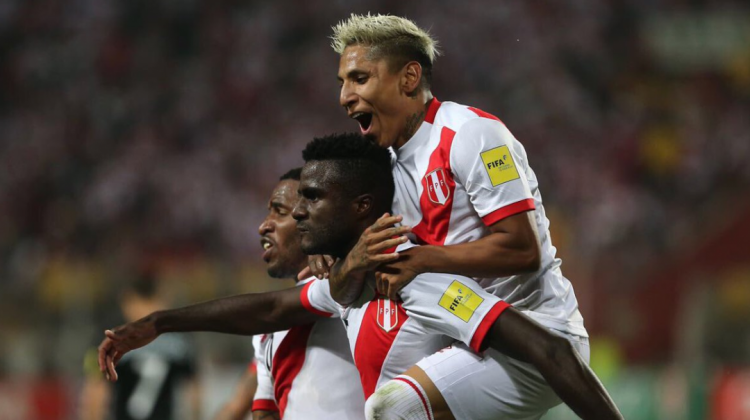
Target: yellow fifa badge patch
x,y
460,301
498,163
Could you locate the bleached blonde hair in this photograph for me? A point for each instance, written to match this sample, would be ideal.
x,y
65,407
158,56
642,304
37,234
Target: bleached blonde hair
x,y
373,30
393,37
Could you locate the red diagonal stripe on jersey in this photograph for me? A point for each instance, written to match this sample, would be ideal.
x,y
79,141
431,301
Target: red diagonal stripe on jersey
x,y
288,361
373,345
433,229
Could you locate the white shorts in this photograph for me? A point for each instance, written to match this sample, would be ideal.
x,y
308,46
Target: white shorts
x,y
492,385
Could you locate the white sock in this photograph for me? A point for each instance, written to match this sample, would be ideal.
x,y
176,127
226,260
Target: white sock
x,y
401,398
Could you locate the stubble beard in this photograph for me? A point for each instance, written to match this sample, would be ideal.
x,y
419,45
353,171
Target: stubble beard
x,y
412,123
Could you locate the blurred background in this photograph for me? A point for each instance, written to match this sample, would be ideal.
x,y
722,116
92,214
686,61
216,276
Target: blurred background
x,y
144,137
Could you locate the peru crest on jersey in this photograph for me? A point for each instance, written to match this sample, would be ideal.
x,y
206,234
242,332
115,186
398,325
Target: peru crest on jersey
x,y
437,188
387,314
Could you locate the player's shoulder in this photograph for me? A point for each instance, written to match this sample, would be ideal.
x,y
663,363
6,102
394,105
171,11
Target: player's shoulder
x,y
456,116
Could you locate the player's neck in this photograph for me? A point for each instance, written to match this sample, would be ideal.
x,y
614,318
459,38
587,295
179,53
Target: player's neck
x,y
414,116
299,270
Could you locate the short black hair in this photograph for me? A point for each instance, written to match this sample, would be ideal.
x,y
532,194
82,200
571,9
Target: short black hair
x,y
364,167
293,174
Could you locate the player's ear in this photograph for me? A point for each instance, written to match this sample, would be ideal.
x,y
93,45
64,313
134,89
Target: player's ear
x,y
363,205
411,78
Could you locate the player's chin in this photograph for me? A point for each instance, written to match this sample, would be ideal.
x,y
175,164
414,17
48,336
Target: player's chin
x,y
279,271
308,247
376,138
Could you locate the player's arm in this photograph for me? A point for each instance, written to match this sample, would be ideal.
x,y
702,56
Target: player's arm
x,y
512,248
562,367
242,400
348,274
246,314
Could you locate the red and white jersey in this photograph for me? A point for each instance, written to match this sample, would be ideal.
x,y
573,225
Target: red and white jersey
x,y
387,337
461,172
307,372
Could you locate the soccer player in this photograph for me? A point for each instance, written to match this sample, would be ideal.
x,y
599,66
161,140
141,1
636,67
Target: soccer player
x,y
346,178
463,185
293,366
151,378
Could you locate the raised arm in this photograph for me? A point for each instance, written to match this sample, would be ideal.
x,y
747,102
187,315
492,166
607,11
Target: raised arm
x,y
247,314
511,248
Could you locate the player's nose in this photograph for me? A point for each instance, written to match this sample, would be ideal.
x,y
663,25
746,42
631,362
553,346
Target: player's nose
x,y
347,98
265,227
299,212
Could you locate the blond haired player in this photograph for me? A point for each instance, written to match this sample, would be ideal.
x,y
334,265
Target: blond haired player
x,y
465,187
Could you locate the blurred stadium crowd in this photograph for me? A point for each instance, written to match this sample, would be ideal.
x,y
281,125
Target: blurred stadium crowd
x,y
145,136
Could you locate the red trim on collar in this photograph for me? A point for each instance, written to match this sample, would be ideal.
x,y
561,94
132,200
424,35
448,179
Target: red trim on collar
x,y
432,110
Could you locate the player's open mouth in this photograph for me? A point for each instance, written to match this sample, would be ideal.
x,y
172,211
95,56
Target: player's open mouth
x,y
267,245
364,119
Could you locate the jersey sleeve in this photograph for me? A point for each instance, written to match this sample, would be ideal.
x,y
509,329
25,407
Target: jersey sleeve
x,y
492,166
263,399
452,305
316,298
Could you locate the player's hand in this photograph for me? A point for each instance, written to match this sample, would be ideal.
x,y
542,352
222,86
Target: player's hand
x,y
318,266
121,340
368,253
391,277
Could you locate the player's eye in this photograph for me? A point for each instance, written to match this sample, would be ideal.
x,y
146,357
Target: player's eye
x,y
310,195
361,80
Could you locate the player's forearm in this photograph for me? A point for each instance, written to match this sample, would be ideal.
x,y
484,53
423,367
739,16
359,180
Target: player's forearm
x,y
233,411
495,255
346,284
247,314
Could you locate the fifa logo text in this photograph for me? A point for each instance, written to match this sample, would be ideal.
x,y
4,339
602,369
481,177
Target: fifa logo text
x,y
456,302
497,163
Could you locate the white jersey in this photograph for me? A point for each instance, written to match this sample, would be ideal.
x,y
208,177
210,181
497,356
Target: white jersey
x,y
388,337
307,372
463,171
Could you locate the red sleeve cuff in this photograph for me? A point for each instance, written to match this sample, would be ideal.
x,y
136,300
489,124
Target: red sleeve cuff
x,y
305,299
265,405
252,367
509,210
477,341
